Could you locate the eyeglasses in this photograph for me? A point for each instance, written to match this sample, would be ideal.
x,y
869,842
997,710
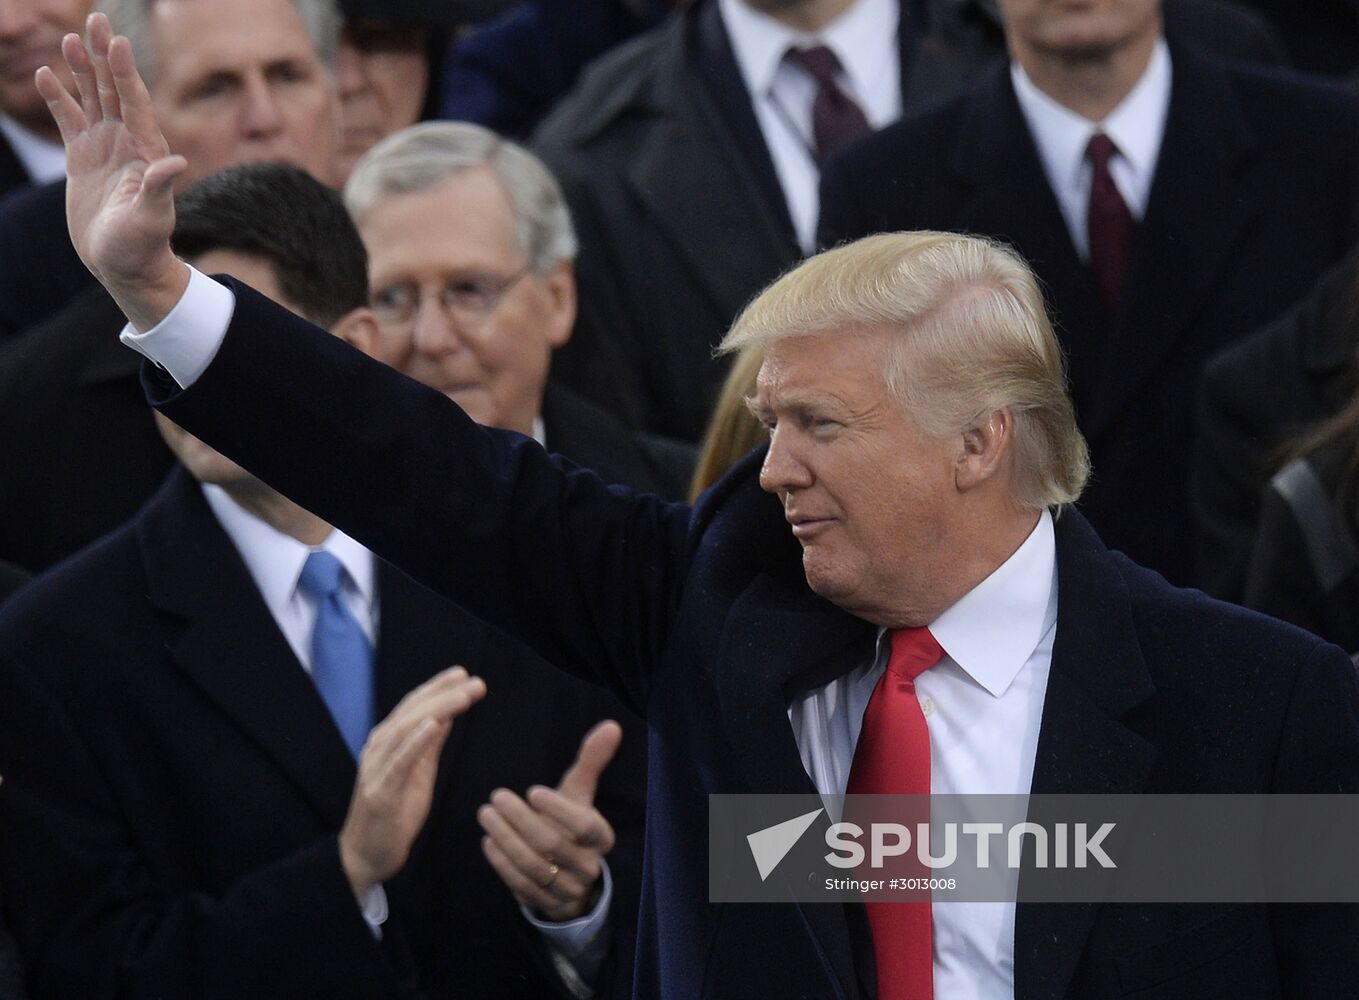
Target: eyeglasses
x,y
470,300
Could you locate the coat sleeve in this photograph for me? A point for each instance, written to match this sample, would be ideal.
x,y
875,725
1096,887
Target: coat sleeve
x,y
587,574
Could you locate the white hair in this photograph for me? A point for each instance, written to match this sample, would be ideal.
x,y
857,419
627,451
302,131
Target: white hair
x,y
424,155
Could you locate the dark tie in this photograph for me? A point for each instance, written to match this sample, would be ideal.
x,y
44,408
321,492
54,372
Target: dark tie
x,y
341,655
836,119
892,757
1109,222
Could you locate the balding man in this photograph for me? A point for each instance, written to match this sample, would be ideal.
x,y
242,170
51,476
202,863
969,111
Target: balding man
x,y
925,454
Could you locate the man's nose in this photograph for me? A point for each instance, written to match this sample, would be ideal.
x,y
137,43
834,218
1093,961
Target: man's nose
x,y
436,333
260,115
783,467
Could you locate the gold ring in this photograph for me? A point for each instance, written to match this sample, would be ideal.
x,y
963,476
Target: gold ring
x,y
552,872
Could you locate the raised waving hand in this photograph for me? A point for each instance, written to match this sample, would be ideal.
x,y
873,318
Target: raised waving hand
x,y
120,174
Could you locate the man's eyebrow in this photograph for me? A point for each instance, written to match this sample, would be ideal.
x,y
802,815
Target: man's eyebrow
x,y
756,407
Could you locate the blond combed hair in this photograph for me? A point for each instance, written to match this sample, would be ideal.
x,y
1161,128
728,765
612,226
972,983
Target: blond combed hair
x,y
971,337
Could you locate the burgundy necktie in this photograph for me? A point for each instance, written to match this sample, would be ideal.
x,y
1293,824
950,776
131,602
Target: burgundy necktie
x,y
835,117
892,757
1109,222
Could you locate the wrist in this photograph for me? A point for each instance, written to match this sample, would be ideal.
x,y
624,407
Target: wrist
x,y
360,876
147,297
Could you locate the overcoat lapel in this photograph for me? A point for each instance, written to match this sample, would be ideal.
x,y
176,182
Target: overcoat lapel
x,y
1097,676
782,638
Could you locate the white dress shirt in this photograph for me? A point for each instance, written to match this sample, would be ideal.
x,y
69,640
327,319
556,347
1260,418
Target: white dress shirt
x,y
1136,127
43,159
863,38
982,704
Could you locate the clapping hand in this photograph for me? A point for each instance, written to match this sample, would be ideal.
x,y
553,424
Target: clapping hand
x,y
549,846
397,771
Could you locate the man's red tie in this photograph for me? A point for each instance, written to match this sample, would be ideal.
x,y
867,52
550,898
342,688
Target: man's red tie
x,y
893,758
1109,222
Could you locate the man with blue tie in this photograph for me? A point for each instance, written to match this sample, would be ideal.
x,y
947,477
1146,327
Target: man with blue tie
x,y
195,764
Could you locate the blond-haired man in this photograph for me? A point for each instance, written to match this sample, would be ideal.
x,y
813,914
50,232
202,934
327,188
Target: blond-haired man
x,y
756,653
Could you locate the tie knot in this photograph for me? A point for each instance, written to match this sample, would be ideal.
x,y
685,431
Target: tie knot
x,y
819,61
914,650
1100,151
322,574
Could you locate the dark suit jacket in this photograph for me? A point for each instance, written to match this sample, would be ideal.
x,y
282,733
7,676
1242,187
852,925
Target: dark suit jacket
x,y
81,453
42,272
1259,396
174,785
1256,193
12,172
680,214
703,619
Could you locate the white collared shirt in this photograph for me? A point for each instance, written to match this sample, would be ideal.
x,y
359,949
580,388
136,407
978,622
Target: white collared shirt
x,y
275,562
983,704
864,39
43,159
1136,127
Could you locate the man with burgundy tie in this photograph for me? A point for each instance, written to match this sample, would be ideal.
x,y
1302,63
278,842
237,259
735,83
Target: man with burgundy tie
x,y
938,604
1169,203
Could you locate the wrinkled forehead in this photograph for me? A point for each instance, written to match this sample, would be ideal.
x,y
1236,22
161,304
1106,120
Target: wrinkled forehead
x,y
836,361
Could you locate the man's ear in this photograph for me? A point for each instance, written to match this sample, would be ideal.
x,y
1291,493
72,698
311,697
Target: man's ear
x,y
986,448
560,284
359,328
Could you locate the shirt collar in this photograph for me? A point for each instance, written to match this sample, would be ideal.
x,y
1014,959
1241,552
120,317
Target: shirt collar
x,y
993,630
863,38
1136,126
275,559
43,159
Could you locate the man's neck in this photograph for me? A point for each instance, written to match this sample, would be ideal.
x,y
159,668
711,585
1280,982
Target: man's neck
x,y
1090,85
808,16
279,512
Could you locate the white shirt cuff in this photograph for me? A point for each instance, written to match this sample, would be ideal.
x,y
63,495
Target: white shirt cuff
x,y
578,947
186,340
374,906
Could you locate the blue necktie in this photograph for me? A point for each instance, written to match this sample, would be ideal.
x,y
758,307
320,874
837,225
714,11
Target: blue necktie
x,y
341,655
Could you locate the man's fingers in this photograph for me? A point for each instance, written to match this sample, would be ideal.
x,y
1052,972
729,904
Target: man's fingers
x,y
82,70
100,35
585,824
534,848
134,99
64,108
158,183
582,778
421,743
525,890
444,697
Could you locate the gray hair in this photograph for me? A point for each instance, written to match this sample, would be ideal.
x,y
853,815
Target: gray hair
x,y
971,337
427,154
133,19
